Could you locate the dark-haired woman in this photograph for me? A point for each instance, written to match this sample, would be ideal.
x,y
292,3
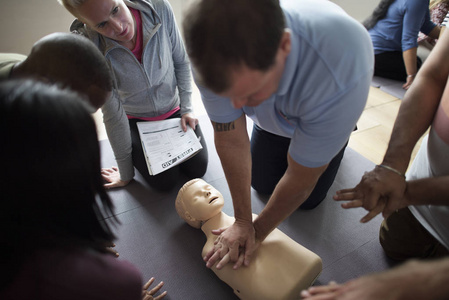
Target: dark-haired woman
x,y
394,27
52,221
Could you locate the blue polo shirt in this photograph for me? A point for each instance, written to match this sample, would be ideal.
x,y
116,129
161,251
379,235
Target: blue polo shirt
x,y
324,86
398,31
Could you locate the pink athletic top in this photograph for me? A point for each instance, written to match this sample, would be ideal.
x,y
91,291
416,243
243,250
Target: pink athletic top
x,y
137,51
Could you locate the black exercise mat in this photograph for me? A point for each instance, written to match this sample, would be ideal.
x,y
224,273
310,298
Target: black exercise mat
x,y
160,244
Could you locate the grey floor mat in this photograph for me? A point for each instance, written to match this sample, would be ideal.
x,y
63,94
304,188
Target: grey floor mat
x,y
160,244
389,86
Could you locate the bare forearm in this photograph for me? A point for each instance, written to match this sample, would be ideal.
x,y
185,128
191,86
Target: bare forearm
x,y
432,191
237,168
417,109
233,148
292,190
426,280
413,120
410,57
438,272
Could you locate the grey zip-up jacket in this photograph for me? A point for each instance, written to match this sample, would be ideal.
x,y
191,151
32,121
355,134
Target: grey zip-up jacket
x,y
161,83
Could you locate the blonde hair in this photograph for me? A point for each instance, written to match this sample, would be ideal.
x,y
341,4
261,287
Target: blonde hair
x,y
434,3
181,208
71,5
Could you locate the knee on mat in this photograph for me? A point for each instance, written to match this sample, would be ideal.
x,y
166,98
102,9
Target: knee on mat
x,y
265,189
396,254
311,203
399,245
389,244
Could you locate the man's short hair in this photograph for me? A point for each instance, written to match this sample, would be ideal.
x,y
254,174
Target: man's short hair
x,y
223,34
71,60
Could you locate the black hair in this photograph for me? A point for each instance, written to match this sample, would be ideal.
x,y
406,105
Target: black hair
x,y
224,34
52,189
72,60
378,14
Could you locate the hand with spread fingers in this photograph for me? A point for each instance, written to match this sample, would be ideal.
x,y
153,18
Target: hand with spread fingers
x,y
150,295
364,288
402,282
234,244
324,292
112,177
379,191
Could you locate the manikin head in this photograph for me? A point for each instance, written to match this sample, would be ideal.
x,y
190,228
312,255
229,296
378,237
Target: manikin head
x,y
197,202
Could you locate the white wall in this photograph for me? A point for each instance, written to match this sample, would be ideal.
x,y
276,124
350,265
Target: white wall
x,y
358,9
23,22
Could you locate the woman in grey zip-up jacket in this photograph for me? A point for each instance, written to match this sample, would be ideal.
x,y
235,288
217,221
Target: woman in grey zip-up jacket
x,y
157,87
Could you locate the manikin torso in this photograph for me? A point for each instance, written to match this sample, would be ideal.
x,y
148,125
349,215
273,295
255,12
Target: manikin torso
x,y
279,269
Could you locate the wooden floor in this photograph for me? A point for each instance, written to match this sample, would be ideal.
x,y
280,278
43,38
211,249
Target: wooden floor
x,y
374,127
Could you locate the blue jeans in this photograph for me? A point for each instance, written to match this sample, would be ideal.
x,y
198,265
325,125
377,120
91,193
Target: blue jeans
x,y
269,163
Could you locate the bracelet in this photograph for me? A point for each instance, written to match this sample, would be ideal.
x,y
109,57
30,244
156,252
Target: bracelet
x,y
392,170
411,75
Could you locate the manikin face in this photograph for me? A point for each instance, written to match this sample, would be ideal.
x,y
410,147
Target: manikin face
x,y
251,87
110,18
202,201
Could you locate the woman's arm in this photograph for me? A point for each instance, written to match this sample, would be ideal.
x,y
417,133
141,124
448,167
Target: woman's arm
x,y
415,11
118,131
410,58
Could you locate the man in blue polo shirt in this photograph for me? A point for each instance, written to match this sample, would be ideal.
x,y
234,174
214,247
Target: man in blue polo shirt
x,y
301,70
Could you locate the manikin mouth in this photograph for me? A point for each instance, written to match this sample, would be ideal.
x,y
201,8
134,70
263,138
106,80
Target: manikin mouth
x,y
213,199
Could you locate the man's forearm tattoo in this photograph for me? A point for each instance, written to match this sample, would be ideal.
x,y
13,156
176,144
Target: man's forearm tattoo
x,y
218,127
